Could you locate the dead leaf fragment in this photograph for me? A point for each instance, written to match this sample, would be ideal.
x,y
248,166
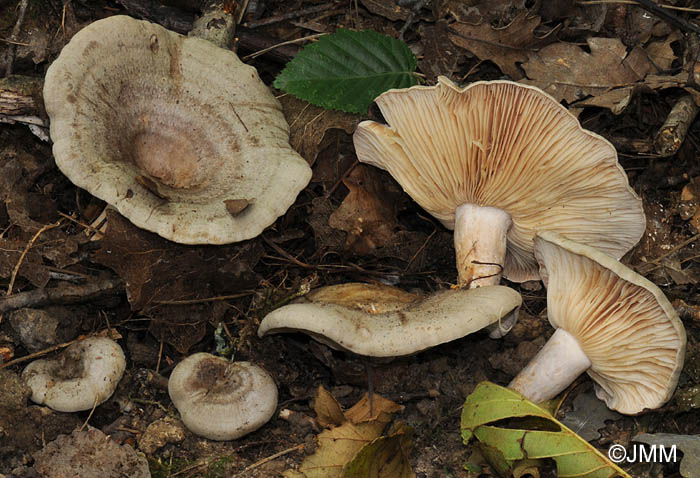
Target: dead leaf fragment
x,y
327,408
311,127
660,52
367,214
384,457
567,72
388,9
504,46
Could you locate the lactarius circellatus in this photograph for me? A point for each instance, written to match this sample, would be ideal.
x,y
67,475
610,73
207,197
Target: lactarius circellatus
x,y
497,161
382,321
81,377
219,399
611,323
178,134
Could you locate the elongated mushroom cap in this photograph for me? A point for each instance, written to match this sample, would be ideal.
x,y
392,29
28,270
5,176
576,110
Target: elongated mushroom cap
x,y
179,135
389,327
509,146
623,323
84,375
219,399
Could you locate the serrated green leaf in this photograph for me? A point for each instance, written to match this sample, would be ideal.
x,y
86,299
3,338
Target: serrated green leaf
x,y
347,70
574,456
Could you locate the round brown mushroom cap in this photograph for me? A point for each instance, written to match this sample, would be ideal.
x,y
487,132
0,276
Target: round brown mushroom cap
x,y
625,325
81,377
219,399
510,146
179,135
394,323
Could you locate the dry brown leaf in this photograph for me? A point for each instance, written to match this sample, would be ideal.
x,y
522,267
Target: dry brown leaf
x,y
155,269
388,9
504,46
491,12
338,446
367,214
384,457
439,56
567,72
380,407
660,52
312,128
327,408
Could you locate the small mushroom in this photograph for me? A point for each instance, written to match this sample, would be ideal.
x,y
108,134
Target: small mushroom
x,y
171,131
611,323
219,399
497,161
379,322
83,376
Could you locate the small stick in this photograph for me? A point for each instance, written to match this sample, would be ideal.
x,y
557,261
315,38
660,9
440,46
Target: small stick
x,y
12,50
672,134
67,294
26,251
270,458
290,16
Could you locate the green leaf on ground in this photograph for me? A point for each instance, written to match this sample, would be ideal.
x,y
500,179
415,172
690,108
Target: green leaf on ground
x,y
347,70
532,434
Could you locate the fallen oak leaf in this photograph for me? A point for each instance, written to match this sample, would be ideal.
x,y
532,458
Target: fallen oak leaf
x,y
384,457
535,435
504,46
567,72
688,444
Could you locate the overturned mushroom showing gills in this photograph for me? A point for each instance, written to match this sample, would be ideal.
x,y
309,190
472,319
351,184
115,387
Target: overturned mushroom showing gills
x,y
497,161
84,375
219,399
392,325
170,130
611,323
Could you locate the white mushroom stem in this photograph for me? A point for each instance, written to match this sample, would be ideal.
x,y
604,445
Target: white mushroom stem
x,y
554,368
480,243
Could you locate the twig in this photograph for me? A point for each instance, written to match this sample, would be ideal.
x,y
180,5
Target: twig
x,y
285,43
270,458
218,298
10,56
633,2
94,406
289,16
668,17
672,134
67,294
26,251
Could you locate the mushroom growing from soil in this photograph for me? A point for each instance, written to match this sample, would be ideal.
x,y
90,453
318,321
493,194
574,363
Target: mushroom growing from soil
x,y
497,161
611,323
382,321
83,376
179,135
219,399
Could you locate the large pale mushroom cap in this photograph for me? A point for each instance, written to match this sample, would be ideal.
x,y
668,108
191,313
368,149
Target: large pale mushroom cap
x,y
178,134
84,375
392,325
508,146
624,324
219,399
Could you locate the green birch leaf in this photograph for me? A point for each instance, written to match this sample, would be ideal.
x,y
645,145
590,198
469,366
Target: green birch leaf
x,y
347,70
543,437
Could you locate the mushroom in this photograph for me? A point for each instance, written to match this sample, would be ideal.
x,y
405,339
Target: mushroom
x,y
497,161
377,321
219,399
83,376
179,135
610,322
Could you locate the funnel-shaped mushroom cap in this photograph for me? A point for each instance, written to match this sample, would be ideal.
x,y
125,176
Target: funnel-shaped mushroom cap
x,y
178,134
219,399
508,146
624,324
84,375
392,326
